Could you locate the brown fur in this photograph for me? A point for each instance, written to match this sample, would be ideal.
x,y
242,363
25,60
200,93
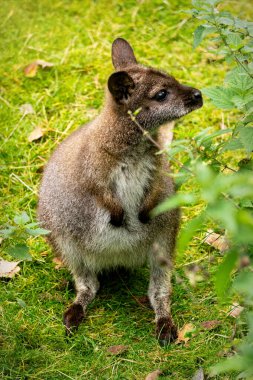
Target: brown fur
x,y
102,182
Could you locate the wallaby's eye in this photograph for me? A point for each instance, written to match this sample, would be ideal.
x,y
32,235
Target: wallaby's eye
x,y
161,95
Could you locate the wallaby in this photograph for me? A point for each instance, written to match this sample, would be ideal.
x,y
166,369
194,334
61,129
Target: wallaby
x,y
101,183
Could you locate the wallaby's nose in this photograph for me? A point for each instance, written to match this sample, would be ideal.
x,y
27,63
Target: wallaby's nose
x,y
197,95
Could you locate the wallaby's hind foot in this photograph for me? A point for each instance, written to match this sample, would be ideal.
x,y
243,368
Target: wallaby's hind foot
x,y
72,317
166,331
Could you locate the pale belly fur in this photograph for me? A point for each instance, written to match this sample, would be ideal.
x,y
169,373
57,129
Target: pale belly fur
x,y
112,246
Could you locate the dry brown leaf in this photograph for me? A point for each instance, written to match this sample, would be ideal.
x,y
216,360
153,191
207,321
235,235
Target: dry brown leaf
x,y
187,328
8,269
26,109
36,134
235,310
210,325
153,375
44,64
58,263
30,70
219,242
116,350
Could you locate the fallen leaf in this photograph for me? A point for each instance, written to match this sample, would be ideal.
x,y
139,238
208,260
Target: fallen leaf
x,y
210,325
26,109
36,134
235,310
8,269
219,242
44,64
58,263
199,375
30,70
182,334
116,350
153,375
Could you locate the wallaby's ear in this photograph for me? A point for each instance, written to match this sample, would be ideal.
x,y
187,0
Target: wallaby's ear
x,y
120,85
122,54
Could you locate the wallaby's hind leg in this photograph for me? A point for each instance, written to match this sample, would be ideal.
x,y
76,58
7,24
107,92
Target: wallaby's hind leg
x,y
159,293
87,286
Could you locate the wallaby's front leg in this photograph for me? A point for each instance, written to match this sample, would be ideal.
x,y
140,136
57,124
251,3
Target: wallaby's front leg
x,y
159,295
86,287
106,199
150,201
112,204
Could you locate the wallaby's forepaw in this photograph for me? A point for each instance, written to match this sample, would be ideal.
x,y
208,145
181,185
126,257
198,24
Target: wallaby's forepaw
x,y
144,216
166,331
117,218
73,317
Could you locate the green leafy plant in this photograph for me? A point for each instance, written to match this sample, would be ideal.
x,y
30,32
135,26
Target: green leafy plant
x,y
218,165
15,236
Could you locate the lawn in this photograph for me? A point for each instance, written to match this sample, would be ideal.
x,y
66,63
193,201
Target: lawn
x,y
76,37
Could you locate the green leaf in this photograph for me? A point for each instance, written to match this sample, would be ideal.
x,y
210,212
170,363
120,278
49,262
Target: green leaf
x,y
246,138
175,201
244,283
225,21
206,139
236,363
235,41
204,174
37,231
7,232
222,211
245,164
220,96
198,35
241,24
244,221
213,2
222,276
250,30
31,225
22,218
233,144
188,231
238,78
20,252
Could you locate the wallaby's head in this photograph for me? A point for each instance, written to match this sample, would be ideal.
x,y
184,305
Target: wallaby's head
x,y
160,97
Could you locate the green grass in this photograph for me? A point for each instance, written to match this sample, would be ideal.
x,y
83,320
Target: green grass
x,y
76,36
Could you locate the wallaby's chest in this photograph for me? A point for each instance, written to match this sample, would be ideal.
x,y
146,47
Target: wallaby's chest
x,y
131,180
